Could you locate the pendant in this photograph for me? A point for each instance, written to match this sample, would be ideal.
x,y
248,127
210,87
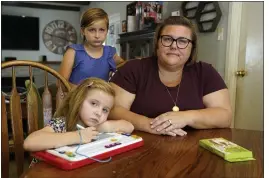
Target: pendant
x,y
175,109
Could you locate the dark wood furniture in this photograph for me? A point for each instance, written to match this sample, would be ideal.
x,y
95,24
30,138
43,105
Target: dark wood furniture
x,y
138,44
166,156
16,112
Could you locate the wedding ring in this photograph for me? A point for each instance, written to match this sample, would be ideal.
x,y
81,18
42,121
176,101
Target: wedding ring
x,y
170,122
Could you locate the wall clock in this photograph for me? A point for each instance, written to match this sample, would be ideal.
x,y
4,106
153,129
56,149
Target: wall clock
x,y
57,35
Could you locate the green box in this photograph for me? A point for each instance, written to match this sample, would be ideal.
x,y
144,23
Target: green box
x,y
229,151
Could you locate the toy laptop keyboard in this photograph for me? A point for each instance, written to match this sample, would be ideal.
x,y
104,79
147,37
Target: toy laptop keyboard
x,y
107,145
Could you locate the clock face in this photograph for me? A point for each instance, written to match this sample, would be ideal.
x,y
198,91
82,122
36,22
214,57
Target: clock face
x,y
57,35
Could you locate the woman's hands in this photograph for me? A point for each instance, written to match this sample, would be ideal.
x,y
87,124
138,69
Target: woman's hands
x,y
88,134
170,123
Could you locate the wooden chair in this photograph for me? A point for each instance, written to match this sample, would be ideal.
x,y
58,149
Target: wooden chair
x,y
16,112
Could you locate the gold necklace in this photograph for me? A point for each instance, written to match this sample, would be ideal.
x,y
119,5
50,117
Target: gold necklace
x,y
175,108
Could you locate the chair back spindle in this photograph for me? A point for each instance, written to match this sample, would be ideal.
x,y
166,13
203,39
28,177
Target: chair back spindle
x,y
16,122
4,139
47,102
32,106
59,96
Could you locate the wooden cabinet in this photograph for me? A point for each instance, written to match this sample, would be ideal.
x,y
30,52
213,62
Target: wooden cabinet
x,y
138,44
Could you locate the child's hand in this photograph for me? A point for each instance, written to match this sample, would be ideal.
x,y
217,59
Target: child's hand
x,y
88,134
124,126
116,126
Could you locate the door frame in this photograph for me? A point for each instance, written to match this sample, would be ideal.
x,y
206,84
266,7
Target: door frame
x,y
232,50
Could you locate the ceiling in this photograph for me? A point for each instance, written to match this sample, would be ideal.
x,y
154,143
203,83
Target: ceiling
x,y
54,5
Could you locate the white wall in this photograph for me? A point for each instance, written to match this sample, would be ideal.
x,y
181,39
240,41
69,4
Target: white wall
x,y
112,7
45,16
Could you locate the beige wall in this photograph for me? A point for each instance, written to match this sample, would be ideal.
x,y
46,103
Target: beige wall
x,y
209,48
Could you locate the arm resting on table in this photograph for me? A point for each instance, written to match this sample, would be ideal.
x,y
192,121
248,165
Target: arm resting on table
x,y
218,112
46,138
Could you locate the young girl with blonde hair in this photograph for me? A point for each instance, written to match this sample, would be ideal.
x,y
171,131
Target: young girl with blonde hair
x,y
87,105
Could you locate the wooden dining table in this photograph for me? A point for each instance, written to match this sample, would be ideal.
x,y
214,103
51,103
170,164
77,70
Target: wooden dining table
x,y
167,156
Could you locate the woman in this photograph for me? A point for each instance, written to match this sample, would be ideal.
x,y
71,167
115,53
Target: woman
x,y
169,91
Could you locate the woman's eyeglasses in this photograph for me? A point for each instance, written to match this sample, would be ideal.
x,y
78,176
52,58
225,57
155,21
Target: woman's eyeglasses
x,y
181,42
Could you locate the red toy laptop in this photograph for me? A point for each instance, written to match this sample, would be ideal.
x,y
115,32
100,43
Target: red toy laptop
x,y
107,145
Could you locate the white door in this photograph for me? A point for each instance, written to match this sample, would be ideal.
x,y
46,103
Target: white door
x,y
247,91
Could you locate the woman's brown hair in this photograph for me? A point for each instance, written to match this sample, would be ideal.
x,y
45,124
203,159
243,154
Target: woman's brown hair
x,y
92,15
72,103
182,21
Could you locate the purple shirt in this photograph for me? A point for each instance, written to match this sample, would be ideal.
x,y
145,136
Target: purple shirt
x,y
141,78
85,66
